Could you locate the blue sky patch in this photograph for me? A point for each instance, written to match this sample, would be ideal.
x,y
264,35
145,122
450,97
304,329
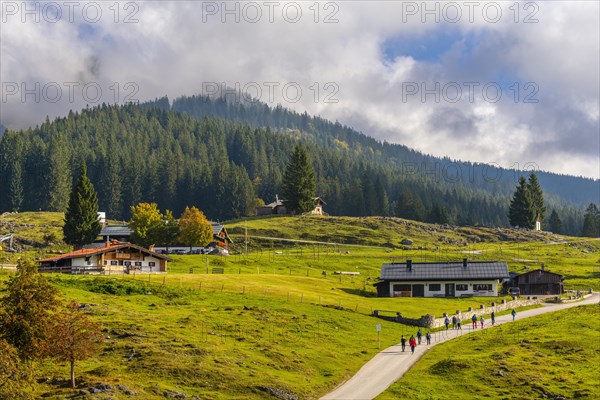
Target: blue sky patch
x,y
428,47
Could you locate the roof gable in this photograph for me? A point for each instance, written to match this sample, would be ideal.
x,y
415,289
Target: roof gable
x,y
102,250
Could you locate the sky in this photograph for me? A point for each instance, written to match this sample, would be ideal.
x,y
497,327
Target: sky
x,y
511,83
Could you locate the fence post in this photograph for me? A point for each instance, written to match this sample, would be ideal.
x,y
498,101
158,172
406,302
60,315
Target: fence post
x,y
243,289
164,277
302,298
222,287
200,286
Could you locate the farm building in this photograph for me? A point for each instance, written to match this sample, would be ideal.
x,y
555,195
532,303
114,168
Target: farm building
x,y
278,207
220,236
539,282
122,233
441,279
114,257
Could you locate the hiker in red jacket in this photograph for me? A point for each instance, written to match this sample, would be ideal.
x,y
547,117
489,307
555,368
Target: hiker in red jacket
x,y
412,343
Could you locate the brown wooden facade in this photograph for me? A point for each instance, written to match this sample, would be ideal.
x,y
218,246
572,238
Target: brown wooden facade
x,y
539,282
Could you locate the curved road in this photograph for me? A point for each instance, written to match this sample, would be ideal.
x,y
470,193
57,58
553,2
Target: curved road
x,y
391,364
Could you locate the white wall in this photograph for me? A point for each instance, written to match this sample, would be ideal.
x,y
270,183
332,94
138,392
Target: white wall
x,y
442,292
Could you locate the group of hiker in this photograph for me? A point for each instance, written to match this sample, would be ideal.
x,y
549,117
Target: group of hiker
x,y
412,342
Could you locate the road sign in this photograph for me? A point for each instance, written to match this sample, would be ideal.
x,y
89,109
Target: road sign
x,y
378,327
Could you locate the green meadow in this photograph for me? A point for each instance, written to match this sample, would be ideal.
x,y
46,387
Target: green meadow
x,y
279,320
555,355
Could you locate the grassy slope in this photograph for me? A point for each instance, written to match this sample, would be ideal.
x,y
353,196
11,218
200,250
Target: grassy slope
x,y
203,342
552,355
213,345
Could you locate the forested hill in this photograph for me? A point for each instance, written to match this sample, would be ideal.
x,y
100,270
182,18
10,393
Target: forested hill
x,y
178,155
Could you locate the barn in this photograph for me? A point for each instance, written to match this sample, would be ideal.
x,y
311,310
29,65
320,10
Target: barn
x,y
539,282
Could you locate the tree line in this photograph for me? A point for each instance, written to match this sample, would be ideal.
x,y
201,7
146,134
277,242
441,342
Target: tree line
x,y
160,154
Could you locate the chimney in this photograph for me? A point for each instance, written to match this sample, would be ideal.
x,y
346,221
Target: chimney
x,y
409,265
543,267
107,244
151,247
464,263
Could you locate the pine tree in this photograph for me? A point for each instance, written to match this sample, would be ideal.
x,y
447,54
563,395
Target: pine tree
x,y
537,196
410,206
521,212
555,224
58,175
82,225
15,188
299,182
438,214
591,221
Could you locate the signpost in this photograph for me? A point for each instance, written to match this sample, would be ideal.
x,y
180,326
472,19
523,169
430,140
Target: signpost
x,y
378,329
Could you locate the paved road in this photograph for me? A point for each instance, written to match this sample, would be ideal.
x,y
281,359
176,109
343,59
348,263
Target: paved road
x,y
391,364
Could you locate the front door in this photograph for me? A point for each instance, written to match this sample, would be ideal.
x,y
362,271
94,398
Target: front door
x,y
450,290
418,290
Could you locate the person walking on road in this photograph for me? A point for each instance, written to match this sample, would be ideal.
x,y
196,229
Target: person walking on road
x,y
428,337
412,343
474,321
513,313
493,318
481,320
454,322
419,335
446,322
403,342
458,323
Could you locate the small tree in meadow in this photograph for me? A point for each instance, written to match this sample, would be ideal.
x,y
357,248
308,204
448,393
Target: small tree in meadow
x,y
74,337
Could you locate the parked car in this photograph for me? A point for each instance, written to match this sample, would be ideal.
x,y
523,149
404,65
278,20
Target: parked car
x,y
514,291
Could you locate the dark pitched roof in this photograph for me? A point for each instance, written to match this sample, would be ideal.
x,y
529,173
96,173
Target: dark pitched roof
x,y
115,230
447,270
539,271
106,249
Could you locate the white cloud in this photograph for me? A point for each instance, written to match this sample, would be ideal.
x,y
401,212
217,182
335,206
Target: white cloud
x,y
172,51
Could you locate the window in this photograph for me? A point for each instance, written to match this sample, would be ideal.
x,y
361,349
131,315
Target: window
x,y
435,287
127,263
151,264
482,286
105,262
462,287
138,264
114,263
401,288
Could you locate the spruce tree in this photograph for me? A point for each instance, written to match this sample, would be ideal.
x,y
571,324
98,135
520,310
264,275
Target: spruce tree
x,y
58,178
555,224
15,188
591,221
299,182
521,212
81,219
537,196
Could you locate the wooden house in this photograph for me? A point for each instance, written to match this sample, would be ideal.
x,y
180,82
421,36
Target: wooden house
x,y
278,208
220,236
442,279
114,257
539,282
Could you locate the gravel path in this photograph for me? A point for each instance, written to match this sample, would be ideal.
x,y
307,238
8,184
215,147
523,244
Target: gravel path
x,y
391,364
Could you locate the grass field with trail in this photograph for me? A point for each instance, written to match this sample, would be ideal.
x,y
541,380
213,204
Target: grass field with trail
x,y
273,322
555,355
